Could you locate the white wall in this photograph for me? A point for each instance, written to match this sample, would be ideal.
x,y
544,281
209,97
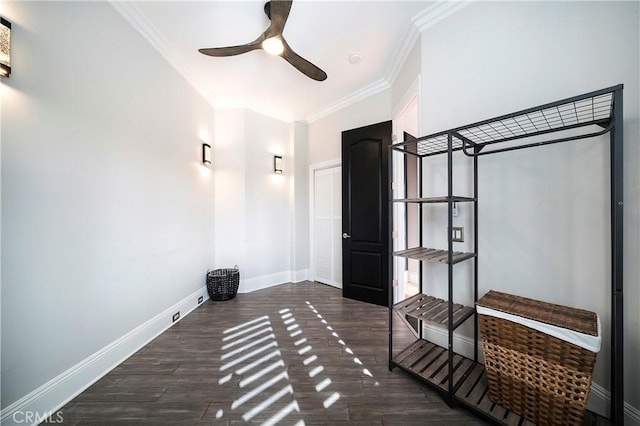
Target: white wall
x,y
229,165
299,148
407,76
325,134
256,211
108,217
267,215
544,212
107,214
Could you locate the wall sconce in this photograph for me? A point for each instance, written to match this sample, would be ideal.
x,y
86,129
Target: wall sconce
x,y
5,47
277,164
206,154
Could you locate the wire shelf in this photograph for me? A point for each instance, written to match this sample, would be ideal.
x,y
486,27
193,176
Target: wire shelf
x,y
595,108
434,145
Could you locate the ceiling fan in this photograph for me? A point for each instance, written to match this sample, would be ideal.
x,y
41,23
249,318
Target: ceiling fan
x,y
273,42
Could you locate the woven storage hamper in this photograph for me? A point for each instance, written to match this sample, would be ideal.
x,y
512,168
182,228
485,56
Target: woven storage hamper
x,y
539,376
222,284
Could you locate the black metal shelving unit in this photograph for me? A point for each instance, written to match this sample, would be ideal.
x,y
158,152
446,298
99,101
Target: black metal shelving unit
x,y
460,379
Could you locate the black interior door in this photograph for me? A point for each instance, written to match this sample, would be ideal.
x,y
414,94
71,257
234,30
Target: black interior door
x,y
365,213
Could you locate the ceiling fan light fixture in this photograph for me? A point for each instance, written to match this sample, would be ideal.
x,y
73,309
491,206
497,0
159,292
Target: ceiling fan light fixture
x,y
273,45
272,41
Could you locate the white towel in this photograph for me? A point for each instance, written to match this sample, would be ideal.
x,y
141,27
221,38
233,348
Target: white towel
x,y
586,341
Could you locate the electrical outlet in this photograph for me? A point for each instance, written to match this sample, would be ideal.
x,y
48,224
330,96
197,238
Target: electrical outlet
x,y
200,299
457,234
176,316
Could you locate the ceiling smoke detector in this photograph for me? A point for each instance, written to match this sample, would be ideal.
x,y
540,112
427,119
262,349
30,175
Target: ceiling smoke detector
x,y
355,58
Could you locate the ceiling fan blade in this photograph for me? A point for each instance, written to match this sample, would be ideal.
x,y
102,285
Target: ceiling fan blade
x,y
278,13
230,50
235,50
304,66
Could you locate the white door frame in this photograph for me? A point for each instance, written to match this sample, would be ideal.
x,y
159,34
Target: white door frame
x,y
337,162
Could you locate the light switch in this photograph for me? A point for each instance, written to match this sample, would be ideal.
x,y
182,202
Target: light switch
x,y
457,234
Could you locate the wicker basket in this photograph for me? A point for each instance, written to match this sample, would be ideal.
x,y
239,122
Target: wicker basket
x,y
222,284
540,377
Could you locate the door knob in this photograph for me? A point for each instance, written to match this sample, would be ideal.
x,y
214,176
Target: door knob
x,y
345,235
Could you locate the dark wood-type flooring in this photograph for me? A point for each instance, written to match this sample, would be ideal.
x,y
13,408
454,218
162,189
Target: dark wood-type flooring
x,y
294,354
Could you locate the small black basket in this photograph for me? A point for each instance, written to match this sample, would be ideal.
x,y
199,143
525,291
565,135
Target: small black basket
x,y
222,284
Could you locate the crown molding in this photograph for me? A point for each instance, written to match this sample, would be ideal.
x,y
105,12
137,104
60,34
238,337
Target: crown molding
x,y
437,12
402,54
132,14
136,18
368,90
423,20
140,23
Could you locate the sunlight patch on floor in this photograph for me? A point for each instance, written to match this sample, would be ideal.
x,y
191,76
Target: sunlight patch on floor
x,y
348,350
315,370
251,347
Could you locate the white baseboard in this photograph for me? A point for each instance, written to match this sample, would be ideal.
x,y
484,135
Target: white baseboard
x,y
47,400
599,397
301,275
461,344
264,281
631,415
598,402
